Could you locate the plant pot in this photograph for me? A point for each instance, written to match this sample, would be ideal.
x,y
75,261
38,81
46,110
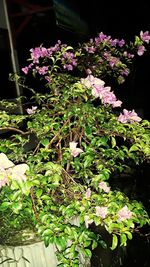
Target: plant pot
x,y
32,255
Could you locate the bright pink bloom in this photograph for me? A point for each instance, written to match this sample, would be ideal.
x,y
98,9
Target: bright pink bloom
x,y
124,214
75,151
101,211
104,186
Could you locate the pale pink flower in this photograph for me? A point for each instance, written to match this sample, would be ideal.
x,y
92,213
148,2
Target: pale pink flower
x,y
87,221
88,193
141,50
90,81
97,91
124,214
31,110
145,36
101,211
75,151
129,116
104,186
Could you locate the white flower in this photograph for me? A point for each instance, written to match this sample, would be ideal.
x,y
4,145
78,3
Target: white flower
x,y
75,151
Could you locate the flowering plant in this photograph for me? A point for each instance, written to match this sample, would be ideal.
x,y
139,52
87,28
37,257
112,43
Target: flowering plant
x,y
80,143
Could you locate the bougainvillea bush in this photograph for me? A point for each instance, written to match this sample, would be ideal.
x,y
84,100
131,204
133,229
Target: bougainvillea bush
x,y
58,156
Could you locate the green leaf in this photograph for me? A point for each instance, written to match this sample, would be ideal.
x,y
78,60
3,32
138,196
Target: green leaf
x,y
113,142
4,206
114,242
16,207
133,148
123,240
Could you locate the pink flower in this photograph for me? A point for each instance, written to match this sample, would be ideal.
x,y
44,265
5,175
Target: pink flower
x,y
90,81
31,110
87,221
97,91
124,214
101,211
145,36
104,186
141,50
75,151
88,193
129,116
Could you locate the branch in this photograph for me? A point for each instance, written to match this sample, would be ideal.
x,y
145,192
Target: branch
x,y
14,130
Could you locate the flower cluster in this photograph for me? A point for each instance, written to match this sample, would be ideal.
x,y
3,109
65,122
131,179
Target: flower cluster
x,y
8,171
129,116
98,90
103,56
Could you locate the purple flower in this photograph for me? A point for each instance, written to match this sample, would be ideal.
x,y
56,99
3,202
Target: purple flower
x,y
90,49
38,52
121,42
42,70
124,214
25,70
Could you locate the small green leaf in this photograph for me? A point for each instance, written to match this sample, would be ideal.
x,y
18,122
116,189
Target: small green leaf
x,y
114,242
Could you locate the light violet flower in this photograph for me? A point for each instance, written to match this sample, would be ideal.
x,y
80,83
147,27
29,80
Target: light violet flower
x,y
87,221
141,50
124,214
129,116
88,193
104,186
101,211
32,110
75,151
